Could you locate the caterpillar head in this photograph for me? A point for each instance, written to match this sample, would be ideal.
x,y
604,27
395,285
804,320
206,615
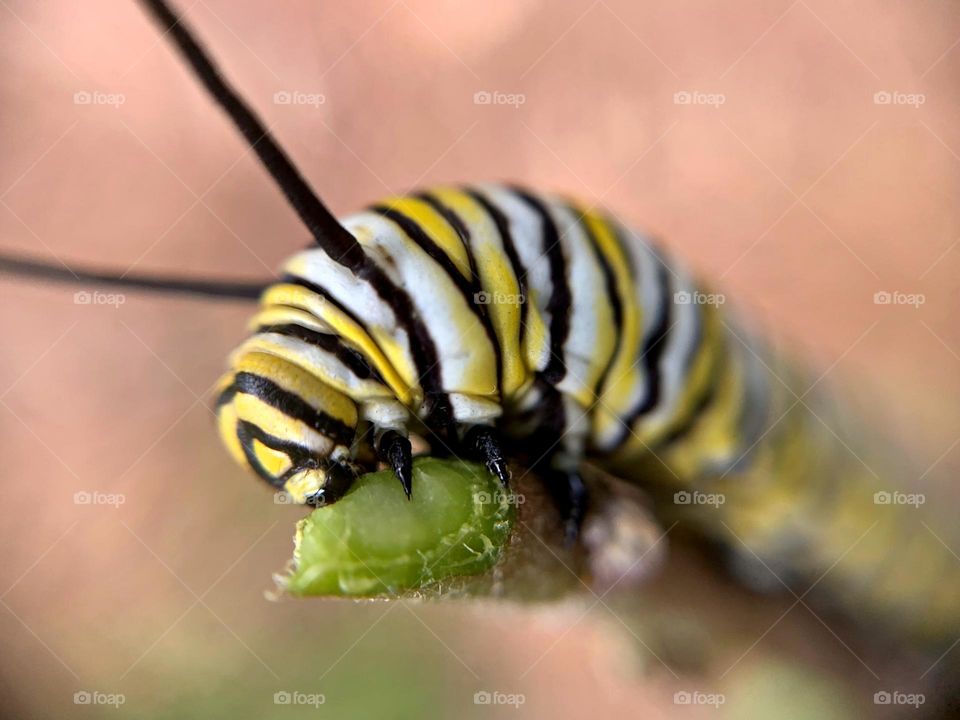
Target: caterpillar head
x,y
287,425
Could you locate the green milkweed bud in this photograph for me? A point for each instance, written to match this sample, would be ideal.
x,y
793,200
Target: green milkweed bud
x,y
374,541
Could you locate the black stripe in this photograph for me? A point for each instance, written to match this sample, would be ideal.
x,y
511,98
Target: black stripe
x,y
698,335
510,250
452,219
613,295
421,352
706,394
467,288
652,350
299,456
226,396
332,344
166,284
460,227
707,397
549,420
559,304
291,279
422,347
657,341
293,405
463,232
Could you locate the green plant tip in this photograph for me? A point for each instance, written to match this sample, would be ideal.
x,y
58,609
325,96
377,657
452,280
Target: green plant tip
x,y
374,542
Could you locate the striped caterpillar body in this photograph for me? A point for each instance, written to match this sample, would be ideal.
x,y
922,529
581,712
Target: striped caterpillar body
x,y
576,339
491,307
495,322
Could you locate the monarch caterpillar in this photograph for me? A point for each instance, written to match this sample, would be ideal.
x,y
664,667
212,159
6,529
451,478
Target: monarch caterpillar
x,y
388,323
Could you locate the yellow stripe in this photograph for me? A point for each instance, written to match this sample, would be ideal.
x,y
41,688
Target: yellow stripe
x,y
358,392
273,461
699,377
715,436
227,423
436,227
280,425
496,276
616,394
382,351
282,315
299,382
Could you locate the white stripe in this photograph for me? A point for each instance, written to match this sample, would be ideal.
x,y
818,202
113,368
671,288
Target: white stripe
x,y
318,362
681,341
467,361
526,229
586,352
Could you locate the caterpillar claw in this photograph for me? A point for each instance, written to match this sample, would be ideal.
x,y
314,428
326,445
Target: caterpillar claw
x,y
484,441
395,450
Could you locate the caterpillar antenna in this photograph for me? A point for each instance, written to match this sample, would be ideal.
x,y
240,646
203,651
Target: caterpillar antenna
x,y
227,289
326,230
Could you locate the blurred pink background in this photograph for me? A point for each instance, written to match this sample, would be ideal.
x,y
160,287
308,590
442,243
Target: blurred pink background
x,y
786,180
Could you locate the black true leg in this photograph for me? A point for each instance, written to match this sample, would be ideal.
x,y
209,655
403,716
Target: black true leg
x,y
570,495
442,434
484,441
394,449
